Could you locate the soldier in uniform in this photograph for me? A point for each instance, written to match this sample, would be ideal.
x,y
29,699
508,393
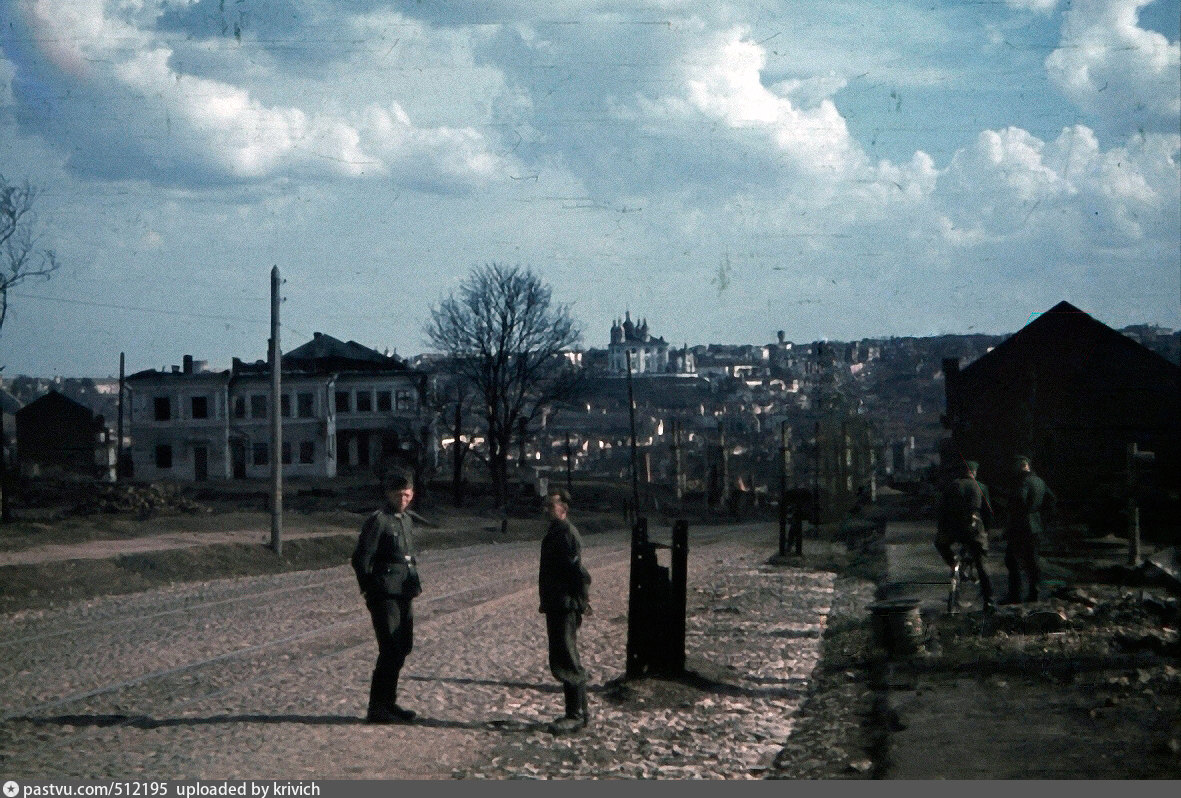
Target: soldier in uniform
x,y
1030,497
562,583
965,514
388,578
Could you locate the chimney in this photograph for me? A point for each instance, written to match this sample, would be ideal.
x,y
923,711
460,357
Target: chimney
x,y
781,335
188,364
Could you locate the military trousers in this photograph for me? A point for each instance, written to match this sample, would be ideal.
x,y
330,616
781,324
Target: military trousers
x,y
1021,558
393,624
561,629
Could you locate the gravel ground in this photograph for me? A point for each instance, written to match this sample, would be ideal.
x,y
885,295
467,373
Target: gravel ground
x,y
267,677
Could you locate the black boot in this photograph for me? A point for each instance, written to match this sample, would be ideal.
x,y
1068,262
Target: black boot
x,y
383,706
986,590
1014,594
575,717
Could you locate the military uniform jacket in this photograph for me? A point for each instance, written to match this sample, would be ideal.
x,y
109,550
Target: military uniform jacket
x,y
384,557
964,501
1030,498
562,580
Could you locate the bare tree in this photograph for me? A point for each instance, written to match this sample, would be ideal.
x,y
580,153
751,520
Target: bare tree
x,y
20,256
449,399
506,338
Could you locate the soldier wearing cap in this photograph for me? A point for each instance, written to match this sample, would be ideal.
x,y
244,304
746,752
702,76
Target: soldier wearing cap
x,y
388,577
1030,498
563,583
965,514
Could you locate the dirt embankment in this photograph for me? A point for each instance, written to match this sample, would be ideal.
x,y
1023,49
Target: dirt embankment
x,y
1084,684
72,542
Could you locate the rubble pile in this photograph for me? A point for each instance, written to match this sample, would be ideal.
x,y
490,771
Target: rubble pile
x,y
139,499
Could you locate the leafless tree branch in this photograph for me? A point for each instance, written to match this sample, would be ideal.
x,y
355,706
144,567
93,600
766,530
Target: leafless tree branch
x,y
21,258
506,337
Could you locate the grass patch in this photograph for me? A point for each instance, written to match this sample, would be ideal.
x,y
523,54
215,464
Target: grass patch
x,y
43,585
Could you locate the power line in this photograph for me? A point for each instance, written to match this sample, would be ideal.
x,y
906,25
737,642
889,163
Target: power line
x,y
212,316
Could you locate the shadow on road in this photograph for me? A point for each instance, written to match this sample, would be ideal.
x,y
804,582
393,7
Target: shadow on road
x,y
145,722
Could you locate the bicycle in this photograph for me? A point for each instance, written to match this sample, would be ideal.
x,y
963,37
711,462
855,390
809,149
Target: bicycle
x,y
965,569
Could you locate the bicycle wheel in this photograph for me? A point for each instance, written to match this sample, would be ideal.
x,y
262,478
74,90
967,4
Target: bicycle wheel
x,y
953,595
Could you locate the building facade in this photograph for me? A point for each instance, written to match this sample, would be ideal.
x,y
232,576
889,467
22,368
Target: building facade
x,y
344,408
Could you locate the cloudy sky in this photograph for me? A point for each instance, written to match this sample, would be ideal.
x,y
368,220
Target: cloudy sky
x,y
725,168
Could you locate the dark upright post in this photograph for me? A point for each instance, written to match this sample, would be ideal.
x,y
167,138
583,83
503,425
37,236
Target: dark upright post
x,y
119,430
631,409
276,420
680,584
636,599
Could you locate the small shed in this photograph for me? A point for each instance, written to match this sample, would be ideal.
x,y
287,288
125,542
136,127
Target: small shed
x,y
1074,395
55,432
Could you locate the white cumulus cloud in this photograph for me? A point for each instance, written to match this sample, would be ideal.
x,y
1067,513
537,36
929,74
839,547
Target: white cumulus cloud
x,y
720,80
1107,64
1066,193
102,71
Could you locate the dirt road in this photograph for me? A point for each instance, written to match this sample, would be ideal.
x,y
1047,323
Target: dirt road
x,y
267,677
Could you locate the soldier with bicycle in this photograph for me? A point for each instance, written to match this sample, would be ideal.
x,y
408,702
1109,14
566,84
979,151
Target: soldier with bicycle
x,y
965,514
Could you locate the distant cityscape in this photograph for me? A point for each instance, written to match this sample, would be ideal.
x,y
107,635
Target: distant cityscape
x,y
710,418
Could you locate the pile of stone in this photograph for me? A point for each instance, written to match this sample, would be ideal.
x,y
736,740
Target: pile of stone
x,y
138,499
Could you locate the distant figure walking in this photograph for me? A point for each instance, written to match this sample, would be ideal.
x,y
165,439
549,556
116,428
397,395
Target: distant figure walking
x,y
563,583
965,514
388,577
1030,497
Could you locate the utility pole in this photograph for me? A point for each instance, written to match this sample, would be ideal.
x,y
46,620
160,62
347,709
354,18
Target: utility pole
x,y
5,510
631,409
816,476
725,465
569,457
784,465
276,419
119,430
678,477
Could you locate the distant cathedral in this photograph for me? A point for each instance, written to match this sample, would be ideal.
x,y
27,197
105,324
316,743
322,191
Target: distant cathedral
x,y
648,355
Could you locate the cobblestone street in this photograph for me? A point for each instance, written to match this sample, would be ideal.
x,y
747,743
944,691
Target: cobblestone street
x,y
267,677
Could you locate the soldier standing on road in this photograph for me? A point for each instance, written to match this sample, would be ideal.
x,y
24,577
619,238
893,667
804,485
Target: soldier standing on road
x,y
388,577
1030,496
562,583
965,514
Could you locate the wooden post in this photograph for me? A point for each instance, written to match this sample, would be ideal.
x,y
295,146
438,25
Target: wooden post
x,y
678,477
725,464
637,599
569,457
679,571
816,477
5,510
119,432
1133,509
784,457
631,409
276,419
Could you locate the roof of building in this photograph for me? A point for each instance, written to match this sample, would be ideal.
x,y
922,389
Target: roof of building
x,y
1062,332
325,347
55,403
